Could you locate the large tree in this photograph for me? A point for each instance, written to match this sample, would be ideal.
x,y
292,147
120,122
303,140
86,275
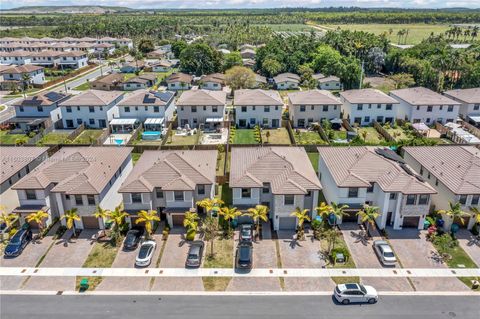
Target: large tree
x,y
199,58
271,67
240,77
232,59
178,47
146,45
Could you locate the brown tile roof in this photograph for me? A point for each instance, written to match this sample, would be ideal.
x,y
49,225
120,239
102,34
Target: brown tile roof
x,y
367,96
257,97
313,97
202,97
179,77
93,98
214,77
146,97
470,96
422,96
360,166
22,69
457,167
112,78
77,170
14,158
171,170
46,53
287,169
73,53
42,99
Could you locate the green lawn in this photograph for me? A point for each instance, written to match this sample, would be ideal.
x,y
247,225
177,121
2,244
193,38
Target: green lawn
x,y
244,136
399,134
6,138
304,138
340,243
277,136
314,159
338,135
373,137
182,140
222,258
53,138
88,137
225,194
136,157
83,87
417,32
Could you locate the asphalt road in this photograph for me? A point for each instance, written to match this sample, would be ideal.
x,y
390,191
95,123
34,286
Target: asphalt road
x,y
212,307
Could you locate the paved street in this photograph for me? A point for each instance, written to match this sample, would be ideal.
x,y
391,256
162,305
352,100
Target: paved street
x,y
208,307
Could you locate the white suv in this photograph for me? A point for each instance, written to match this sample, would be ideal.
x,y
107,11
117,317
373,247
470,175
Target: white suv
x,y
347,293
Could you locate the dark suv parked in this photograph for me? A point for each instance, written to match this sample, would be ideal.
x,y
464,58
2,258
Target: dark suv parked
x,y
18,242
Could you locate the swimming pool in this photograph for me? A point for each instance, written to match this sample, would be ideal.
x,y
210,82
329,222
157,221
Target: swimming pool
x,y
151,135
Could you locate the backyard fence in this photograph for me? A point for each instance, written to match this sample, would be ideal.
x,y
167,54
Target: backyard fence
x,y
383,131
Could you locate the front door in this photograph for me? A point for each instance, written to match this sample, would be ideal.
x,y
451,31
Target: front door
x,y
102,123
69,123
275,123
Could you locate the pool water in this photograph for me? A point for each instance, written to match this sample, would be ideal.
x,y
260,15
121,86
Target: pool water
x,y
151,135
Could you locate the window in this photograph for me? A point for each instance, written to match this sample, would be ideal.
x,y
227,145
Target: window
x,y
91,121
194,109
252,121
421,170
266,109
136,108
69,109
429,108
388,107
379,106
79,121
159,193
301,122
146,108
423,199
359,107
156,109
436,182
201,189
463,199
78,200
67,197
325,108
21,109
127,109
244,109
411,199
312,107
370,189
266,188
450,108
302,108
214,109
265,122
91,109
246,193
353,192
476,107
475,199
393,196
178,195
40,108
418,107
276,107
288,200
136,198
253,108
91,200
31,194
367,119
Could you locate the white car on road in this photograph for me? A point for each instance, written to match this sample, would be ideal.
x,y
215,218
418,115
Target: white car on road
x,y
349,293
145,253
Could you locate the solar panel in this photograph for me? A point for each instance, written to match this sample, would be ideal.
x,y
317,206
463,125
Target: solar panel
x,y
388,153
54,96
164,96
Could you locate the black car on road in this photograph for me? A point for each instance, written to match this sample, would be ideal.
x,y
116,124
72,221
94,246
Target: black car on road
x,y
244,256
195,253
18,242
132,239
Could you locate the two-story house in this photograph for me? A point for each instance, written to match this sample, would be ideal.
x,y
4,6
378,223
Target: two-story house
x,y
75,177
422,105
73,59
46,58
258,107
201,109
214,81
367,105
287,81
470,103
170,182
356,176
281,178
454,172
94,108
42,105
307,107
179,81
17,75
17,162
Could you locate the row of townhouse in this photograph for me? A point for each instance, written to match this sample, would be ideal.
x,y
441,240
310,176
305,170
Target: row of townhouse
x,y
405,190
28,43
49,58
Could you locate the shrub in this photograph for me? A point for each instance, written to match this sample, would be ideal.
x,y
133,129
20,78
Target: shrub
x,y
191,234
339,250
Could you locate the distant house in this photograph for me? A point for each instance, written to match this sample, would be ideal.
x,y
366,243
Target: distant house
x,y
73,59
366,105
102,48
201,108
142,81
249,63
260,81
214,81
132,67
470,103
224,51
157,54
257,106
247,47
94,108
287,81
42,105
422,105
108,82
170,182
18,57
162,66
179,81
330,83
307,107
13,77
248,54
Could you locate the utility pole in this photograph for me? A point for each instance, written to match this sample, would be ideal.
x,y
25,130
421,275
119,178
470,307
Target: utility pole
x,y
361,76
64,83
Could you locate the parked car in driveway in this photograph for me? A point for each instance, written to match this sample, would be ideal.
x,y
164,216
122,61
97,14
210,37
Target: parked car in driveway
x,y
246,233
133,238
349,293
244,255
384,252
195,253
145,254
18,242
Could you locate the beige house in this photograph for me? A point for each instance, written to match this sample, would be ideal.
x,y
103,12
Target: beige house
x,y
214,81
281,178
257,107
470,103
307,107
179,81
203,109
108,82
170,182
454,172
287,81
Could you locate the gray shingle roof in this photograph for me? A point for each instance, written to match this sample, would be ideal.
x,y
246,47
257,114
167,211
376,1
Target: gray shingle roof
x,y
367,96
313,97
202,97
470,96
422,96
283,77
257,97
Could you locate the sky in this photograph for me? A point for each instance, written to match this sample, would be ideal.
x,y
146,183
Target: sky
x,y
220,4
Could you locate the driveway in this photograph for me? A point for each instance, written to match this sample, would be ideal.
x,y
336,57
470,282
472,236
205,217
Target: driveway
x,y
414,251
471,245
302,254
174,256
264,256
29,258
65,252
364,257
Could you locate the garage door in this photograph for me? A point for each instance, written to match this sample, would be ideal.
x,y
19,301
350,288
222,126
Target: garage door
x,y
287,223
350,216
178,220
90,222
411,222
466,219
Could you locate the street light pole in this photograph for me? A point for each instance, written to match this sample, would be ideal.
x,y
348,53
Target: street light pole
x,y
64,82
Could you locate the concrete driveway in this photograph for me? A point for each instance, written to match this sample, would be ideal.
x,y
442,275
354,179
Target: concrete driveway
x,y
364,257
302,254
65,252
29,258
174,256
264,256
414,251
470,244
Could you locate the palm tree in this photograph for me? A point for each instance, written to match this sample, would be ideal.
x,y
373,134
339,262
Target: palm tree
x,y
210,230
38,218
229,214
368,214
210,204
147,217
338,211
302,216
257,213
5,218
26,78
324,210
101,213
118,217
191,220
71,216
454,212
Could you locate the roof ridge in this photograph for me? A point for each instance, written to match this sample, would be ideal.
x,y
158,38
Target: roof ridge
x,y
184,160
